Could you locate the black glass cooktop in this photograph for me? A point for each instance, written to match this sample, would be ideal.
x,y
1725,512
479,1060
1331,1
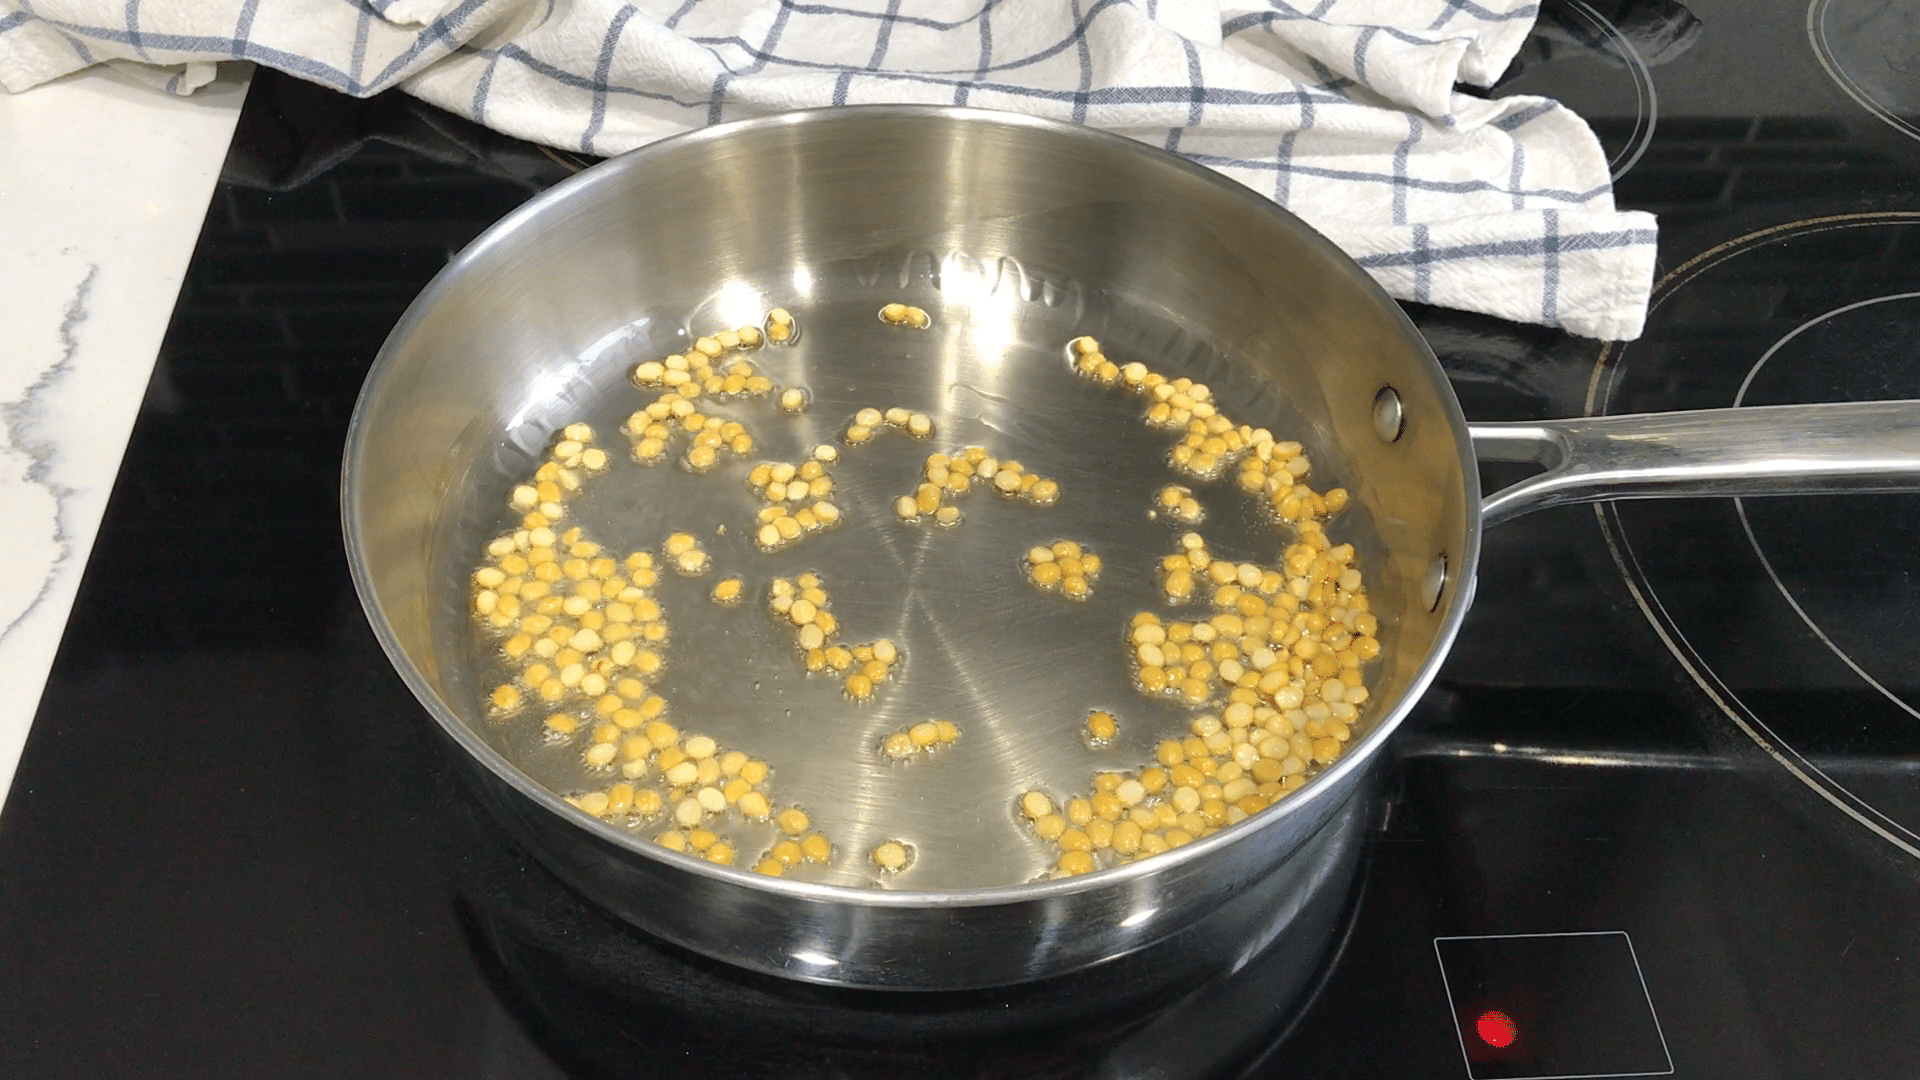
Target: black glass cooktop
x,y
1660,814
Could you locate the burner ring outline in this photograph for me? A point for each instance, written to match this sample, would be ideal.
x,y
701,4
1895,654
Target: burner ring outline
x,y
1600,385
1646,100
1740,505
1823,52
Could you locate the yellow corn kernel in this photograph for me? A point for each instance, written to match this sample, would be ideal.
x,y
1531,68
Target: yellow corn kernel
x,y
593,802
792,821
619,799
1076,862
1169,752
891,856
1036,805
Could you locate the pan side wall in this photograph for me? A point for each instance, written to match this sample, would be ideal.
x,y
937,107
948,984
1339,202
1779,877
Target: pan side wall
x,y
511,320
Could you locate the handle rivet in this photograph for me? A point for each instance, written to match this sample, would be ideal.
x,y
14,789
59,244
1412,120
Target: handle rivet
x,y
1389,421
1434,582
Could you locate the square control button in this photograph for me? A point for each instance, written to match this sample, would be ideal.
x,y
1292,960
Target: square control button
x,y
1551,1006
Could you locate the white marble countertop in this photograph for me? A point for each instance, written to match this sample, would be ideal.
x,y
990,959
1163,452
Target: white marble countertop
x,y
103,187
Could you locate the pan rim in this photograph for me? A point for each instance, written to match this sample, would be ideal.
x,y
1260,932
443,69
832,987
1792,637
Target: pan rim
x,y
1360,755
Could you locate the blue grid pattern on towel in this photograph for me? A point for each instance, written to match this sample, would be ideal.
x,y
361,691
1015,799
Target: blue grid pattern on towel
x,y
1343,111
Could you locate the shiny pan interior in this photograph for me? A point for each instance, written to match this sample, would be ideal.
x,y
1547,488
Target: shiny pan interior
x,y
1015,235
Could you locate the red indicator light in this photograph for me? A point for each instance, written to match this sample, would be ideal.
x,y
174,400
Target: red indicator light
x,y
1495,1028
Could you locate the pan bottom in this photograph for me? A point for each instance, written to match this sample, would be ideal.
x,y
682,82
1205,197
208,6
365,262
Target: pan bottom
x,y
1016,670
606,1000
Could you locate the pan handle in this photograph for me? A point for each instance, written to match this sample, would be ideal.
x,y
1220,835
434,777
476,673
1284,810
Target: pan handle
x,y
1759,450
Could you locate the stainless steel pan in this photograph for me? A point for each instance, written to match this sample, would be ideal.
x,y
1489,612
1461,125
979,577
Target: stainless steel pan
x,y
1016,235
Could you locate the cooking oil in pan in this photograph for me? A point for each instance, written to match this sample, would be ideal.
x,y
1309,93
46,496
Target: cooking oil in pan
x,y
937,607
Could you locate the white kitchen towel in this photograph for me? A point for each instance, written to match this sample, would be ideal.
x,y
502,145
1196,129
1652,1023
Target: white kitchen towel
x,y
1344,111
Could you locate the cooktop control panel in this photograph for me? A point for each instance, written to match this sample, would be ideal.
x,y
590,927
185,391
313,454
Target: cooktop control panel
x,y
1551,1006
